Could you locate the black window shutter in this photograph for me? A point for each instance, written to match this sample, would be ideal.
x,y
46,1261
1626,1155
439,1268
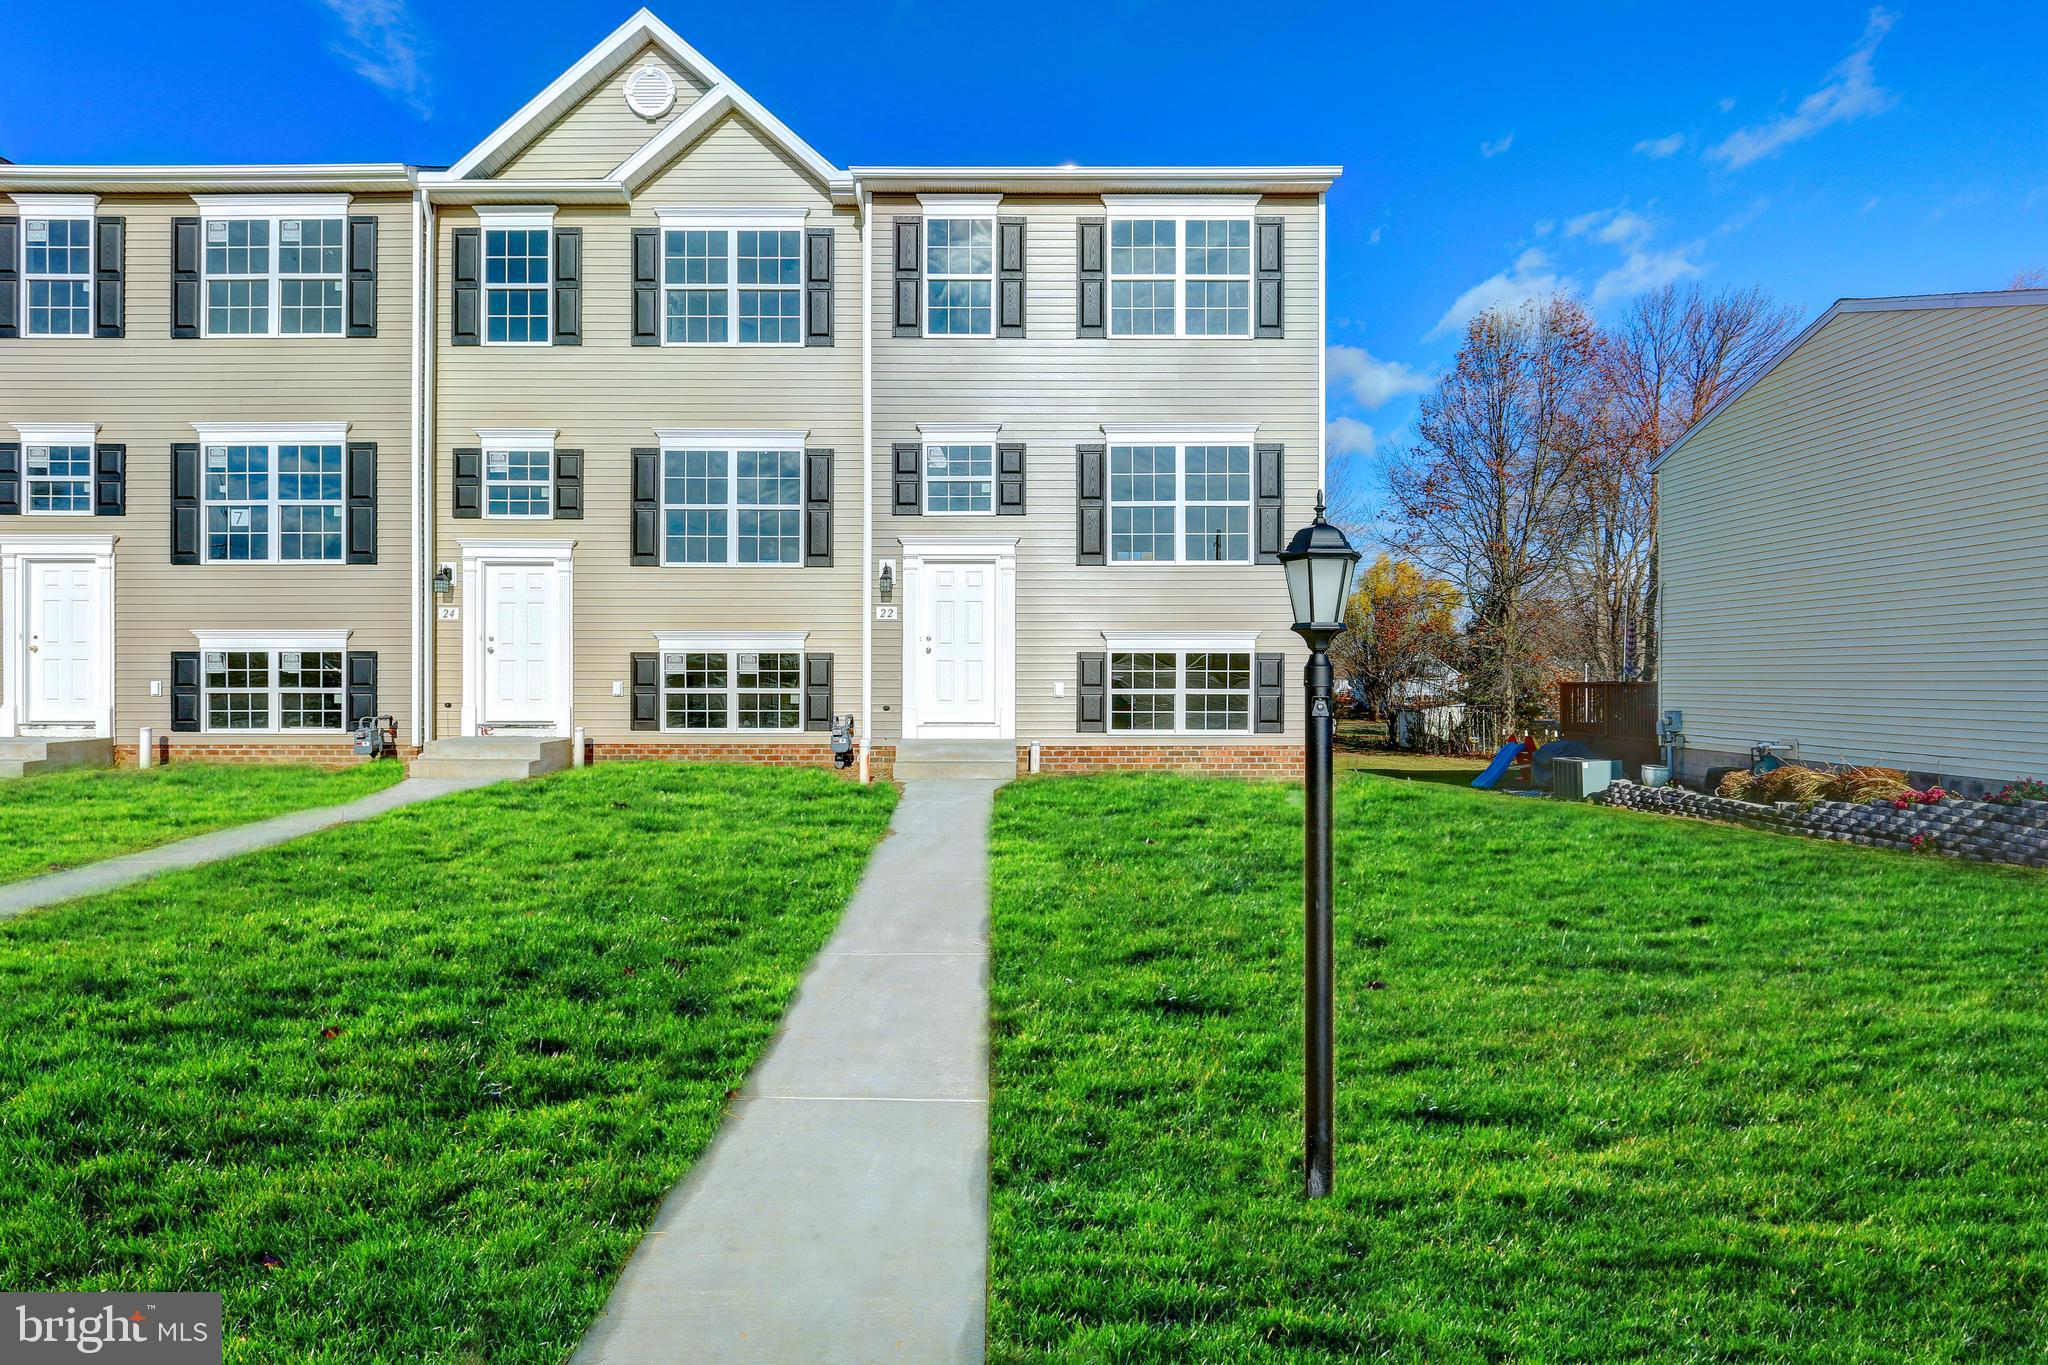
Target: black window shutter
x,y
1272,273
1092,270
362,503
1269,673
817,286
817,691
10,479
184,278
817,508
647,505
909,275
362,686
1271,487
110,480
568,286
10,278
468,500
466,274
185,691
184,502
1091,693
362,277
1009,480
1009,277
568,485
1092,512
110,278
647,286
908,460
646,691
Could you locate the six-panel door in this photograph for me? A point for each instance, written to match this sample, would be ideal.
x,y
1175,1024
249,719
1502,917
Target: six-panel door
x,y
63,658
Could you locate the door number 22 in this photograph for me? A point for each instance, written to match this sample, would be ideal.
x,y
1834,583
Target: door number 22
x,y
885,613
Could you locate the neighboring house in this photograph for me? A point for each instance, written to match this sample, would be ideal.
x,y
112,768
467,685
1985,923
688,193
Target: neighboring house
x,y
1853,547
605,471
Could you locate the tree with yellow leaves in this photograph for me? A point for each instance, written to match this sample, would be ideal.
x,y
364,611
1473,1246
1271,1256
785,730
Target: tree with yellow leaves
x,y
1402,628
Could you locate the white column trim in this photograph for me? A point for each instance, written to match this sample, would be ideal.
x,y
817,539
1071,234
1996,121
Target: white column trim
x,y
476,556
1000,554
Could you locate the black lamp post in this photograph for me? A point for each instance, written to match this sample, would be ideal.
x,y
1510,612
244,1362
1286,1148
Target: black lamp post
x,y
1319,563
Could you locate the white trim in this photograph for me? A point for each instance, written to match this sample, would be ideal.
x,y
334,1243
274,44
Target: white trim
x,y
1181,212
58,433
514,216
1000,554
272,205
1180,646
1234,434
14,613
1073,179
865,737
308,640
941,433
56,205
959,209
1181,641
58,208
526,440
416,522
1322,341
518,438
1181,205
960,205
271,433
383,177
761,641
763,216
1180,442
479,555
731,438
664,89
980,437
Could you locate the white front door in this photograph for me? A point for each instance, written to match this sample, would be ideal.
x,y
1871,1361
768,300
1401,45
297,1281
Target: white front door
x,y
520,649
63,642
956,672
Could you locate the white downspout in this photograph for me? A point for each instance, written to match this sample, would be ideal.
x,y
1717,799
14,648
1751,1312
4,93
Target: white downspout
x,y
419,594
1322,340
867,478
430,335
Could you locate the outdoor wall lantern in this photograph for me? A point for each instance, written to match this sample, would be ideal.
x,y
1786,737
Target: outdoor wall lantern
x,y
1319,562
444,581
885,578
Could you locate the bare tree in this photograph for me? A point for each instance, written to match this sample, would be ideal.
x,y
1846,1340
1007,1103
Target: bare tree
x,y
2033,277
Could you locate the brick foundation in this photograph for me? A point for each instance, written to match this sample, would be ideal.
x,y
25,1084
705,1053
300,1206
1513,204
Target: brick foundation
x,y
211,749
818,755
1235,760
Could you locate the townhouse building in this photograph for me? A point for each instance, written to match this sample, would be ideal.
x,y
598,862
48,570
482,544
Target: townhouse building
x,y
645,423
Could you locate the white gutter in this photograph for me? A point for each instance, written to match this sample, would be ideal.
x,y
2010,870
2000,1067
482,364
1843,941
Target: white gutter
x,y
365,177
417,727
1025,179
867,477
430,332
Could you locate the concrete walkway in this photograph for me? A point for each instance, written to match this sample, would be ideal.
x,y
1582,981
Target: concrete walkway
x,y
842,1212
36,892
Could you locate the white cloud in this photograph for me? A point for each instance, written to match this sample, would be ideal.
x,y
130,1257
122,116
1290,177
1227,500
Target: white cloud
x,y
1657,148
1727,103
1373,238
1869,204
1531,277
1644,269
1850,92
381,43
1370,381
1615,227
1349,436
1494,148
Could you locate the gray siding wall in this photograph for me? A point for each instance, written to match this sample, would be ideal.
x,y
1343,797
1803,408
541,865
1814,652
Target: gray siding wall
x,y
601,130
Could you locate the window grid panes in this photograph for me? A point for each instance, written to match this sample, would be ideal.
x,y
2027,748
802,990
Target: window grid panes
x,y
516,286
1189,504
265,503
274,276
273,690
1167,693
517,483
1180,277
959,264
59,479
732,506
57,268
732,286
732,690
960,478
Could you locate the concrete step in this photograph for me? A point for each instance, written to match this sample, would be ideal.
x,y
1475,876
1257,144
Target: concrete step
x,y
26,757
958,759
492,758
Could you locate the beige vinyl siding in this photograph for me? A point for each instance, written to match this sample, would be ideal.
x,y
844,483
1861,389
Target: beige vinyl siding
x,y
601,130
607,397
146,390
1053,392
1854,553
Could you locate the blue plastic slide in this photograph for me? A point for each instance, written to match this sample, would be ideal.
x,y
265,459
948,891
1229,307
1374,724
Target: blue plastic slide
x,y
1501,760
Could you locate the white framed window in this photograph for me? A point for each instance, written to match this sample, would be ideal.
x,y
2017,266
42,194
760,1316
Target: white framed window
x,y
518,265
732,277
1180,497
272,496
1195,687
959,469
57,468
272,266
56,264
732,498
1180,267
519,473
750,684
284,684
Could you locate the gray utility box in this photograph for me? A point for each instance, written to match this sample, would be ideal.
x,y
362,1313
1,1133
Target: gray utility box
x,y
1575,779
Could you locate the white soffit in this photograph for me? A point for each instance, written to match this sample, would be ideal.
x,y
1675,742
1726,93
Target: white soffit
x,y
1181,641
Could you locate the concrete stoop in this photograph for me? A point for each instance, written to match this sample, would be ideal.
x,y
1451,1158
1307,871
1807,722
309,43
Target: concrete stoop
x,y
25,757
492,758
993,760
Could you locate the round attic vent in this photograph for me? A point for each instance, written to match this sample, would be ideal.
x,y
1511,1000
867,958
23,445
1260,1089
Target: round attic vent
x,y
650,92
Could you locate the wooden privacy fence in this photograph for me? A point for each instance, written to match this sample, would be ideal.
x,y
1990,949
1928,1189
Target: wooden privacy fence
x,y
1608,715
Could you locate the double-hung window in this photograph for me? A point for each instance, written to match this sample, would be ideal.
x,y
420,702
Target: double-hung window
x,y
960,273
732,278
518,472
753,684
517,277
1180,691
276,269
57,468
56,272
260,687
1180,500
1180,275
271,499
732,501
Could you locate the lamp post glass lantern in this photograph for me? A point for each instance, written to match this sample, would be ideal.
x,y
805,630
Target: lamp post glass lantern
x,y
1319,562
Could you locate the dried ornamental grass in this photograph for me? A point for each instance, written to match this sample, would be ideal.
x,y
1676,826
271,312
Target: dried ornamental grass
x,y
1736,785
1860,785
1789,783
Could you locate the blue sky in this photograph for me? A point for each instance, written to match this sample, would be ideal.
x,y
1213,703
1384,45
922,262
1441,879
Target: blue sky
x,y
1491,151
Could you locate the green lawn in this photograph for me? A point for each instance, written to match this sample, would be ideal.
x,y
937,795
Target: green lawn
x,y
410,1090
1611,1086
62,819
